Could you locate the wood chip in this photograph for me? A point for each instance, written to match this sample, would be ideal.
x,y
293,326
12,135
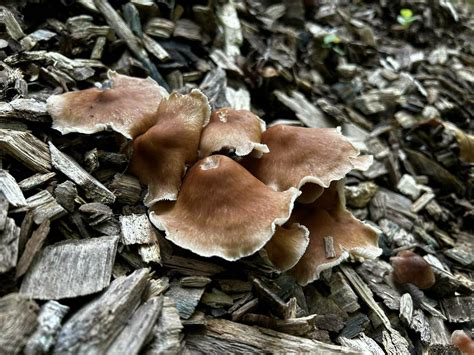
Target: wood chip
x,y
138,328
167,336
71,268
186,299
26,148
458,309
33,246
9,246
137,229
93,328
93,189
44,206
10,190
224,336
17,321
329,247
35,181
308,113
49,324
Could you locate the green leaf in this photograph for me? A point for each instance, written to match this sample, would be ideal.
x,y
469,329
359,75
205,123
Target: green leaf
x,y
332,38
407,14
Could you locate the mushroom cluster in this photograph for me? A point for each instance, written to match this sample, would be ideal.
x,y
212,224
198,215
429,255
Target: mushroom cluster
x,y
221,184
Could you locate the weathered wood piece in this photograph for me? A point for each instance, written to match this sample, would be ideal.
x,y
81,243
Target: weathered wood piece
x,y
94,327
3,211
137,229
49,324
44,206
25,230
186,299
71,268
10,189
362,343
342,293
25,108
150,253
93,189
17,321
192,267
217,299
308,113
66,193
167,336
294,326
26,148
440,337
35,181
223,336
126,188
134,335
12,26
9,246
114,20
393,341
101,218
194,281
458,309
275,303
33,246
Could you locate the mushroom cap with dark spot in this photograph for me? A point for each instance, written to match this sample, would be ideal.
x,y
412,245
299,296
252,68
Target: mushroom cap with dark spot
x,y
222,210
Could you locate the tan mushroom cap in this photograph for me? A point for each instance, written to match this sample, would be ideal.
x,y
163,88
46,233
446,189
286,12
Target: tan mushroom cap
x,y
413,268
163,152
300,155
222,210
328,217
286,247
236,130
120,104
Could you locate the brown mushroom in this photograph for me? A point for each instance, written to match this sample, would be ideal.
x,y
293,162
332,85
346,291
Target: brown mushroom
x,y
327,218
299,156
463,342
119,104
234,130
222,210
162,153
286,247
409,267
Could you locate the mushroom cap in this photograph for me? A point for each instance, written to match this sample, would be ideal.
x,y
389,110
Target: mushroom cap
x,y
162,153
463,342
119,105
287,246
222,210
237,130
300,155
412,268
325,217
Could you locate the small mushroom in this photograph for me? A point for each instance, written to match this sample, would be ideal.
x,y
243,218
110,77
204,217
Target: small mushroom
x,y
234,130
463,342
412,268
286,247
299,156
327,218
118,104
222,210
162,152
